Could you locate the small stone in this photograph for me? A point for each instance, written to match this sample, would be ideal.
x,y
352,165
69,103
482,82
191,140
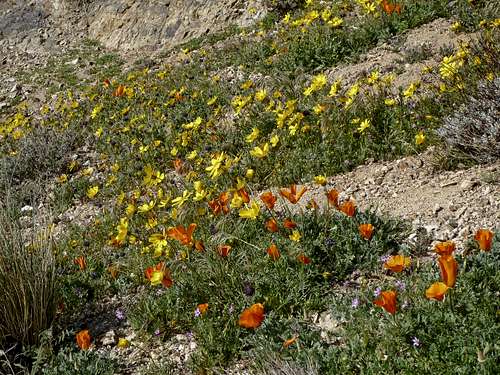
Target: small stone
x,y
109,338
27,208
437,208
468,184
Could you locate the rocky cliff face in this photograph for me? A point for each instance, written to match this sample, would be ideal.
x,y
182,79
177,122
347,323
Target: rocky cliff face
x,y
129,24
120,24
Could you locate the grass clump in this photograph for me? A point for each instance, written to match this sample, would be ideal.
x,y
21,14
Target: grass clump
x,y
28,282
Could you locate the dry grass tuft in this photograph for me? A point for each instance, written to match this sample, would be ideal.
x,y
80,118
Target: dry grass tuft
x,y
27,281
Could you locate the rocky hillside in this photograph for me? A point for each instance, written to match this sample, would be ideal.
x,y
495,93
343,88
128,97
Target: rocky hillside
x,y
32,32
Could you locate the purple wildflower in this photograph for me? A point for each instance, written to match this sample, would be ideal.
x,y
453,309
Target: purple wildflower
x,y
120,315
355,303
400,285
157,332
384,258
377,292
415,342
197,312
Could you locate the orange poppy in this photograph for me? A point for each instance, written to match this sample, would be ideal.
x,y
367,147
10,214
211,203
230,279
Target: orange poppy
x,y
391,8
221,204
80,262
178,165
449,269
289,224
113,271
484,238
304,259
252,317
166,279
199,246
272,225
397,263
215,206
349,208
202,308
333,198
178,96
273,252
149,271
106,83
366,231
445,248
290,341
387,300
181,234
83,339
244,195
292,195
224,250
436,291
269,199
119,91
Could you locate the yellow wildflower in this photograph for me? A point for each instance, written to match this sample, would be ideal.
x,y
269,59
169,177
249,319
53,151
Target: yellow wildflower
x,y
260,95
295,236
253,135
420,138
336,22
320,180
92,191
260,152
250,212
179,201
365,124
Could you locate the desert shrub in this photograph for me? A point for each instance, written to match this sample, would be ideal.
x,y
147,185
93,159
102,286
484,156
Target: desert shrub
x,y
27,281
473,131
40,154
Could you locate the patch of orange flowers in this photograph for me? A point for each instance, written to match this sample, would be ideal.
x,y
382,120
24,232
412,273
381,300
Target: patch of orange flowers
x,y
448,268
252,317
397,263
269,199
349,208
292,195
366,231
273,252
484,238
83,339
224,250
272,225
387,300
221,204
181,234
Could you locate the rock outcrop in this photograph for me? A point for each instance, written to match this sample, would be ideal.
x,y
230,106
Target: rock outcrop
x,y
120,24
